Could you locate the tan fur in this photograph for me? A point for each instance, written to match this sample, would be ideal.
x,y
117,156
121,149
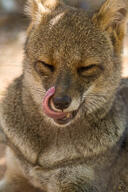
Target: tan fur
x,y
111,22
89,154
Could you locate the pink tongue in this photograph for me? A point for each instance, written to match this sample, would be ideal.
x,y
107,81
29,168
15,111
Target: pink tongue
x,y
46,108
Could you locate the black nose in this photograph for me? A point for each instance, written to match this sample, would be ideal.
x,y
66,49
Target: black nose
x,y
61,102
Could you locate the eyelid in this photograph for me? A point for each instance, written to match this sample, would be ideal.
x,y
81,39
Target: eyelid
x,y
88,67
90,70
49,66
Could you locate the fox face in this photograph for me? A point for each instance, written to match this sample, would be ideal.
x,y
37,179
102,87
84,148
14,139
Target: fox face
x,y
72,60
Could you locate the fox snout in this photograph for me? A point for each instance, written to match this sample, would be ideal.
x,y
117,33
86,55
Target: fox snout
x,y
61,102
55,105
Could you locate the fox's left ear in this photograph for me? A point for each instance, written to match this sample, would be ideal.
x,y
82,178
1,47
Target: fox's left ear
x,y
112,18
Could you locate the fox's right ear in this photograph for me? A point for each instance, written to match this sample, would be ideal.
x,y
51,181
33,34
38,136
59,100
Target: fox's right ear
x,y
37,9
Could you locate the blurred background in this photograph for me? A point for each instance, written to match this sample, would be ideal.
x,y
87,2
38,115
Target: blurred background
x,y
13,25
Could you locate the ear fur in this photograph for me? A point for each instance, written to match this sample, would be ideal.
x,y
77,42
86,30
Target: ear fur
x,y
36,9
112,18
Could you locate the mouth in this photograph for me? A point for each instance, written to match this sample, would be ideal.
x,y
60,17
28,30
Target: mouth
x,y
70,116
59,117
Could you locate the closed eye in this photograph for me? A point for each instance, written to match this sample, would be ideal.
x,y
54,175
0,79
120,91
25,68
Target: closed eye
x,y
50,67
83,69
43,68
90,70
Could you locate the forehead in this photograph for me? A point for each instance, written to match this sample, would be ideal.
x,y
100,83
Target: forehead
x,y
70,32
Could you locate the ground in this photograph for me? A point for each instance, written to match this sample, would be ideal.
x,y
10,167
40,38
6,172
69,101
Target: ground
x,y
12,38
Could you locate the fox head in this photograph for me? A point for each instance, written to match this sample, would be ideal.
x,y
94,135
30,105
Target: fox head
x,y
73,58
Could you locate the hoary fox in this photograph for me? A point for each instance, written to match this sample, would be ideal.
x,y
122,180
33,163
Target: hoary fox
x,y
65,119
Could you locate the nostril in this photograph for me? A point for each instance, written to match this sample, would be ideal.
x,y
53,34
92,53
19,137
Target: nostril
x,y
61,102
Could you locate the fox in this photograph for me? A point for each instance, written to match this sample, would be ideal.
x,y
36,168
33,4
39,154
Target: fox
x,y
64,120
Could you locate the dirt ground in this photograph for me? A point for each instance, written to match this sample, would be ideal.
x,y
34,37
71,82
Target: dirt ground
x,y
12,38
